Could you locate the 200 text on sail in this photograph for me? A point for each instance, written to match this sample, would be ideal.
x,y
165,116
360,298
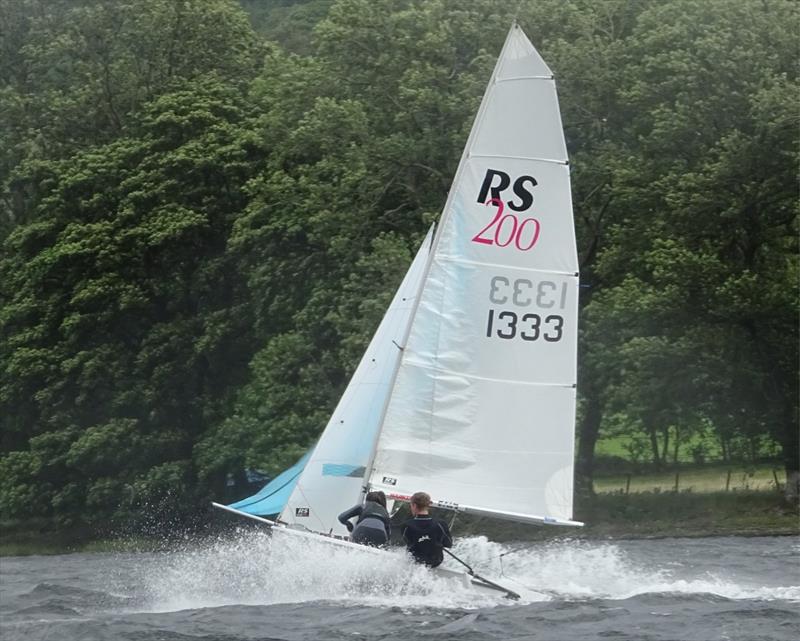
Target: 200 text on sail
x,y
504,228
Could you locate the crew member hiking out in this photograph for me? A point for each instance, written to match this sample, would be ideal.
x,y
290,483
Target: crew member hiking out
x,y
424,535
373,526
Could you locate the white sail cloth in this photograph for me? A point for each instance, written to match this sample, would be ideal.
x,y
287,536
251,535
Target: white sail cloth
x,y
482,410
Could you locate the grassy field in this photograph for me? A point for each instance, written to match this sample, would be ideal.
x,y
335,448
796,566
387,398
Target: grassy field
x,y
647,514
622,447
708,478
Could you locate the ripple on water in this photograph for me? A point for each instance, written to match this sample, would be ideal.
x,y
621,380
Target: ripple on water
x,y
247,587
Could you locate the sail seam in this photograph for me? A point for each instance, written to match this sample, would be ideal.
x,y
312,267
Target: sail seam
x,y
554,161
442,370
454,259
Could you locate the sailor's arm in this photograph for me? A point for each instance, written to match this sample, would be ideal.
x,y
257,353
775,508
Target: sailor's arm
x,y
344,517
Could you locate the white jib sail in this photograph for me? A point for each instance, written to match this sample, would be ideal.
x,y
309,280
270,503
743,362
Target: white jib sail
x,y
482,410
333,478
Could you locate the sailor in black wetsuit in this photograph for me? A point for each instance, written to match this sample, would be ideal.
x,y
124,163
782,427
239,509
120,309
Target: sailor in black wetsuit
x,y
425,536
373,526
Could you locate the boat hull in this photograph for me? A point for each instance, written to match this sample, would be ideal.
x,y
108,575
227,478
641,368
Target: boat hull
x,y
474,581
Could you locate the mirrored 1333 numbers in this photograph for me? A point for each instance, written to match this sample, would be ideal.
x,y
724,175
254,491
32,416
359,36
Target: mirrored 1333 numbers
x,y
528,326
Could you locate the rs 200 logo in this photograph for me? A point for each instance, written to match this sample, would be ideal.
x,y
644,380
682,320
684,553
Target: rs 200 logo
x,y
506,228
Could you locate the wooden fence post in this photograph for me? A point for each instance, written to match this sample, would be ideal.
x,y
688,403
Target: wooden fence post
x,y
728,481
777,482
677,476
627,484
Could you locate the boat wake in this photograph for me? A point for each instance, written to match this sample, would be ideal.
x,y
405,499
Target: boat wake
x,y
256,569
590,570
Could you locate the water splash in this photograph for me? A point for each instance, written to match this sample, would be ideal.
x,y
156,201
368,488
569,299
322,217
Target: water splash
x,y
589,570
259,569
254,568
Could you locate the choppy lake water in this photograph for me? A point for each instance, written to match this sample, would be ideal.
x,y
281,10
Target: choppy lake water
x,y
249,587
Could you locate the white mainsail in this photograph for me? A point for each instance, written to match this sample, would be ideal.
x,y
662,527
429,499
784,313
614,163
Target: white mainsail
x,y
333,477
482,410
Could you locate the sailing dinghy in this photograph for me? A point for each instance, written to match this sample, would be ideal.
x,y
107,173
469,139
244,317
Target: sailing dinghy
x,y
467,390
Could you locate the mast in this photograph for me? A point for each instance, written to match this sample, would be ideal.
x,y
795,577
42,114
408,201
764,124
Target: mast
x,y
368,468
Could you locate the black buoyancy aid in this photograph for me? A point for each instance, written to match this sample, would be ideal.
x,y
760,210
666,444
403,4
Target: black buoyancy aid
x,y
372,510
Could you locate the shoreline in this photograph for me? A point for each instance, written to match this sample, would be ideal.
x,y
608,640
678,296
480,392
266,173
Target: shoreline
x,y
22,548
608,517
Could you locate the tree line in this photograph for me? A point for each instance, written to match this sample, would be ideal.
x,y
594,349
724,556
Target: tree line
x,y
203,218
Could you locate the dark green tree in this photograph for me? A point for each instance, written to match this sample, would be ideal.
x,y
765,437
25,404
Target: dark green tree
x,y
75,73
125,323
709,239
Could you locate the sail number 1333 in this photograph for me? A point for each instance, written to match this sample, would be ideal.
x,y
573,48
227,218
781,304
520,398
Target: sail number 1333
x,y
530,326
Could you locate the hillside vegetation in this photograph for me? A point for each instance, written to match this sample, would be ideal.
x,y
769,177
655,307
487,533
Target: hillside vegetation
x,y
204,213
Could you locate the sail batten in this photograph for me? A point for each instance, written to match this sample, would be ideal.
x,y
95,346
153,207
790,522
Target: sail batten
x,y
478,263
556,161
441,370
515,78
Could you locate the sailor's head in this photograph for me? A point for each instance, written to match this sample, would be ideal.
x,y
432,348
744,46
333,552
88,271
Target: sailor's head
x,y
420,502
376,497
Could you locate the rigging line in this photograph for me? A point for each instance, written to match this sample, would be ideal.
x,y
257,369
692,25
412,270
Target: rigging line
x,y
392,330
499,557
508,578
519,583
519,549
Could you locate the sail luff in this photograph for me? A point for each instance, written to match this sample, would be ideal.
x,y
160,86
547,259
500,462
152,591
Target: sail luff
x,y
430,240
